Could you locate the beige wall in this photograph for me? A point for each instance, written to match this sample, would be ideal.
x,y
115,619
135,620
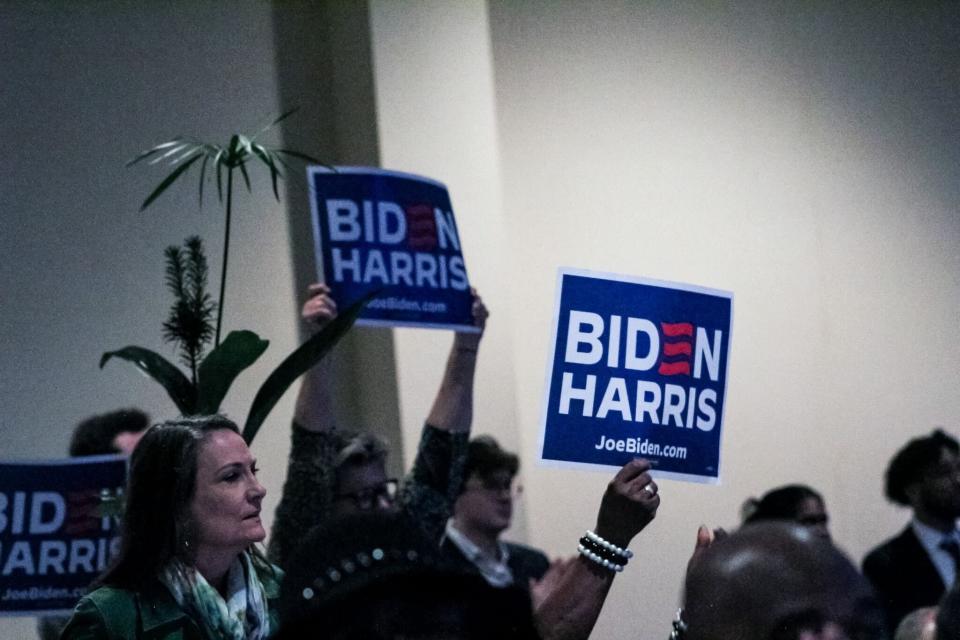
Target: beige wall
x,y
804,159
436,117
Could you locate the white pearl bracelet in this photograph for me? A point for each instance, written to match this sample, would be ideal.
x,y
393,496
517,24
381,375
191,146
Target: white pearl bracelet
x,y
609,546
603,562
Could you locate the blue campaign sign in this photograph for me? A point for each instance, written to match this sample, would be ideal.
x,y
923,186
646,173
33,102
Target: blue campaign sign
x,y
394,232
56,535
638,369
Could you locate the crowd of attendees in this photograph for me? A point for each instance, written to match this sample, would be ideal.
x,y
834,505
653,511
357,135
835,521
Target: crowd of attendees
x,y
357,554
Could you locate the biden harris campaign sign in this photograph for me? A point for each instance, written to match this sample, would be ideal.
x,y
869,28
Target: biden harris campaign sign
x,y
393,232
56,535
638,369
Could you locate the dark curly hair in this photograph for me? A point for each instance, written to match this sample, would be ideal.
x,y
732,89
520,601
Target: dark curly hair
x,y
485,457
782,503
913,461
95,435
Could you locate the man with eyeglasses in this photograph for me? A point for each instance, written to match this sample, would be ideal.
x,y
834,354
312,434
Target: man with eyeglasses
x,y
332,472
482,512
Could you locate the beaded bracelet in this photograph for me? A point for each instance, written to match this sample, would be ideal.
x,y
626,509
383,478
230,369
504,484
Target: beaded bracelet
x,y
603,562
625,553
601,551
678,628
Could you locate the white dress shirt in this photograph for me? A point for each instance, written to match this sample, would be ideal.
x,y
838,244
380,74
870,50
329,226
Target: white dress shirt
x,y
930,539
494,570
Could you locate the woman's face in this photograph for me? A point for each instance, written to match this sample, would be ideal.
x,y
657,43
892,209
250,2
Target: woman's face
x,y
226,500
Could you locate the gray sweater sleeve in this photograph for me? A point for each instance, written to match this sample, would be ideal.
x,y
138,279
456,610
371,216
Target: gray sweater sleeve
x,y
307,491
433,484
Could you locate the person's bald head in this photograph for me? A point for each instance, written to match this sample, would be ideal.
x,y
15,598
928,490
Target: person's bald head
x,y
918,625
775,581
948,615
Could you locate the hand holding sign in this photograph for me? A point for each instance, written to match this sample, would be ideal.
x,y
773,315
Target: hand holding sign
x,y
567,607
320,308
638,369
470,340
629,504
395,232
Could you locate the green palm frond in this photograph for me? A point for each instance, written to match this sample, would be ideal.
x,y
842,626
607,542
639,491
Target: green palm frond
x,y
183,152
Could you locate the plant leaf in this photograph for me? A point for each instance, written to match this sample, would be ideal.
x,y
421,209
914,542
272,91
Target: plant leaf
x,y
219,162
157,149
176,173
219,369
180,390
186,145
299,362
203,174
303,156
234,155
264,155
188,325
283,116
278,158
244,145
246,176
196,148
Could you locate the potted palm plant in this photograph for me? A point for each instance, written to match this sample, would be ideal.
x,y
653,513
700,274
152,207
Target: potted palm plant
x,y
189,324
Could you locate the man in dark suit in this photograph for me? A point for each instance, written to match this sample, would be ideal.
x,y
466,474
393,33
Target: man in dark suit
x,y
482,512
915,568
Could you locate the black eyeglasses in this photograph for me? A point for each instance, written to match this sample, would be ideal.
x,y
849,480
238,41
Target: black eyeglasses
x,y
369,498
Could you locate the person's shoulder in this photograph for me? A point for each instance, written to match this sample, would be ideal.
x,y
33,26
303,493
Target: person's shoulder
x,y
111,612
529,555
97,614
890,550
452,554
106,598
526,562
522,549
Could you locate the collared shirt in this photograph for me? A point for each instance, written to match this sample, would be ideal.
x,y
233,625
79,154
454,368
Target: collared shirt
x,y
494,570
930,539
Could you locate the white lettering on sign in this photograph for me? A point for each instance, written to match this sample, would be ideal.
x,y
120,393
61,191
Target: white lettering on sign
x,y
385,223
634,344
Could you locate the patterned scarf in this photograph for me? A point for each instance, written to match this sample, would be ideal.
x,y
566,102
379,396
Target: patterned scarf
x,y
242,616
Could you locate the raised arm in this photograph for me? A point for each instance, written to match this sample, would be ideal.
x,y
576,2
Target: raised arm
x,y
432,486
570,610
314,410
453,407
308,489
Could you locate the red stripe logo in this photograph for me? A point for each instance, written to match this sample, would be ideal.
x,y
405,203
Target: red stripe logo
x,y
421,227
675,360
677,349
675,329
674,368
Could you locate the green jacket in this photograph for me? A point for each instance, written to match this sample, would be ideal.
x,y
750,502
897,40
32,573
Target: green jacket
x,y
150,614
